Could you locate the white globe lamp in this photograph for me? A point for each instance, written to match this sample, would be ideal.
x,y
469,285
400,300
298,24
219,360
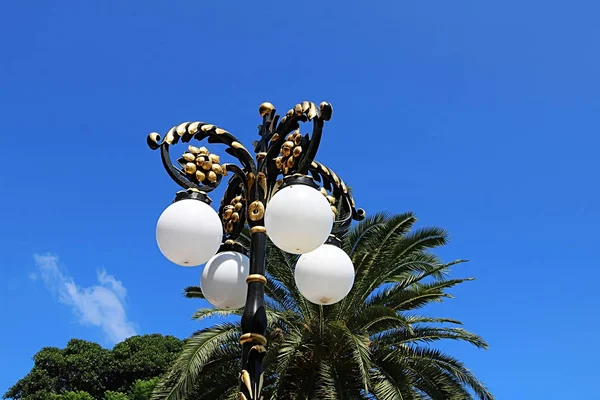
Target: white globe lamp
x,y
298,219
324,276
223,280
189,232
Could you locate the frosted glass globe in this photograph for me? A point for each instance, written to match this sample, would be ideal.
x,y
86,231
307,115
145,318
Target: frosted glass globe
x,y
324,276
223,280
189,232
298,219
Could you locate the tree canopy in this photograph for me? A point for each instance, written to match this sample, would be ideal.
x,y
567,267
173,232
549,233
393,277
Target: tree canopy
x,y
85,370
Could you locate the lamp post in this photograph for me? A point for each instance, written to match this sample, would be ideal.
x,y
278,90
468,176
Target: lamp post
x,y
302,205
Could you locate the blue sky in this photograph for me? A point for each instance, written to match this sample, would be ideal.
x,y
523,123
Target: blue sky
x,y
482,118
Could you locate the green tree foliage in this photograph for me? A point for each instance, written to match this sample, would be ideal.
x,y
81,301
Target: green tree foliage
x,y
142,389
371,345
79,395
84,366
110,395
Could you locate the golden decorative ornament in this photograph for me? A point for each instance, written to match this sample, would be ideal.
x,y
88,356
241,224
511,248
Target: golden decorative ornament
x,y
297,151
298,109
241,396
305,106
189,157
182,129
261,381
290,162
265,108
206,165
220,131
193,128
214,158
323,191
262,181
326,111
236,199
207,127
256,211
251,178
258,229
190,168
259,348
238,206
217,169
227,213
200,176
203,151
253,337
344,188
229,226
212,177
334,210
335,178
261,155
245,378
256,278
285,169
312,111
237,145
286,151
298,140
154,136
331,200
235,217
193,149
224,168
314,164
289,113
279,162
274,138
170,136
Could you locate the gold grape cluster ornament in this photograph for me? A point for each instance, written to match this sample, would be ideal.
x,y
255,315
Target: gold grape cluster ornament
x,y
231,212
289,152
200,166
331,201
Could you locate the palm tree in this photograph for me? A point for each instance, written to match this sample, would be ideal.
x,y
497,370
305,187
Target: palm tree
x,y
371,345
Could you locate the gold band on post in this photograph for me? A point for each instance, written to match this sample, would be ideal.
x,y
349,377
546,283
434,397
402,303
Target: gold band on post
x,y
258,229
256,278
253,337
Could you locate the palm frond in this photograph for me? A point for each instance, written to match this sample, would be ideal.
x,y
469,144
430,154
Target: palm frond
x,y
198,350
428,335
358,346
204,313
444,362
193,292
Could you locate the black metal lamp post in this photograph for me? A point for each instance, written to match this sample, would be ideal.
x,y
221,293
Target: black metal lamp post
x,y
303,205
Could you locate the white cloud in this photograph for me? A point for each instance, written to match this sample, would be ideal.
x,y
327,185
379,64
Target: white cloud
x,y
101,305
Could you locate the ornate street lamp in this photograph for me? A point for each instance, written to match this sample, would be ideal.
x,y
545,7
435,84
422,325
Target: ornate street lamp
x,y
302,205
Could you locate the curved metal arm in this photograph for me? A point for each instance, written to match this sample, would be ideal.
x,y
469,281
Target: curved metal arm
x,y
283,149
234,203
341,197
199,131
